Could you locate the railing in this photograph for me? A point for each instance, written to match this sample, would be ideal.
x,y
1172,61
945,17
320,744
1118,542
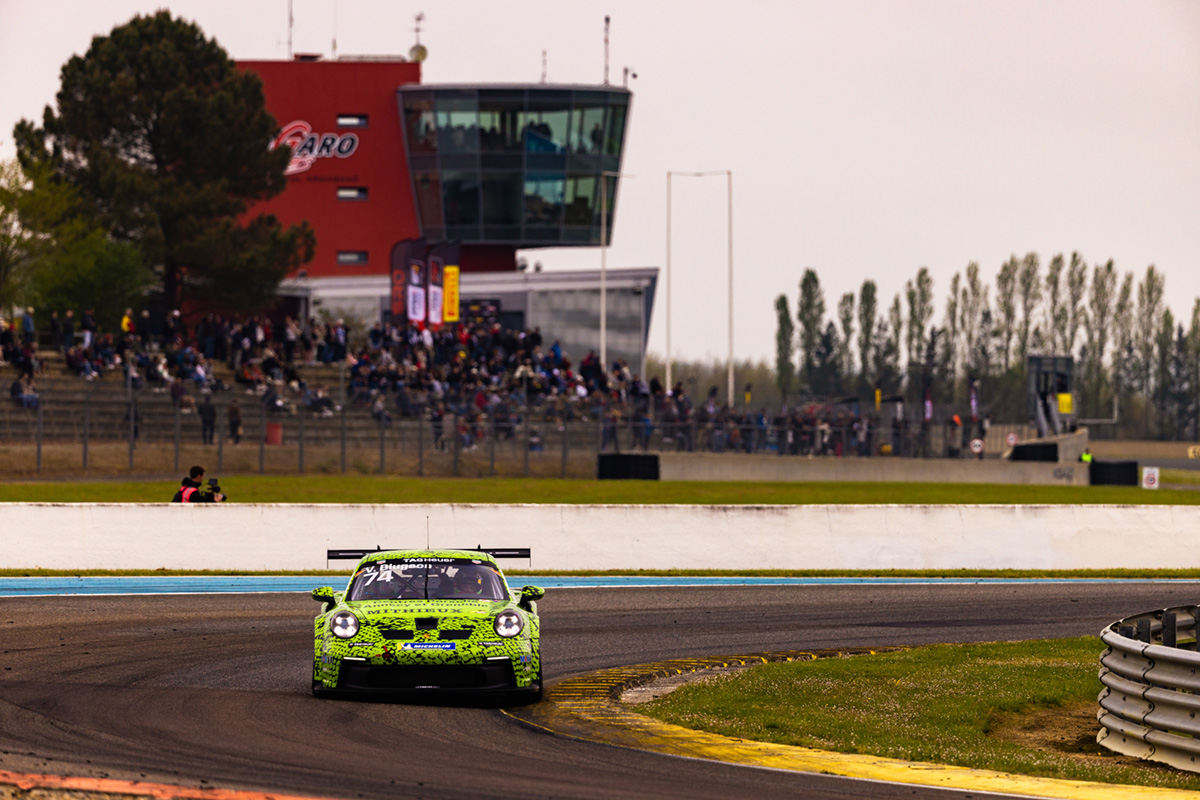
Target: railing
x,y
1151,675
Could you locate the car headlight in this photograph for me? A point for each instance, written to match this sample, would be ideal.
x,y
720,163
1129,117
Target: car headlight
x,y
508,623
344,625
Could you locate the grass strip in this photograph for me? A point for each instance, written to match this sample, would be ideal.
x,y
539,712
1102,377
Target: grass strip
x,y
967,705
391,489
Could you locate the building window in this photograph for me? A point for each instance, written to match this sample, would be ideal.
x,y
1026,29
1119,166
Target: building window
x,y
352,120
352,257
352,193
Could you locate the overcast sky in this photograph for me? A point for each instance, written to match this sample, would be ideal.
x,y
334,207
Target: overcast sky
x,y
867,139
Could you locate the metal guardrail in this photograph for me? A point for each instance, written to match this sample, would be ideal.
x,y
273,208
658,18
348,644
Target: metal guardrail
x,y
1151,697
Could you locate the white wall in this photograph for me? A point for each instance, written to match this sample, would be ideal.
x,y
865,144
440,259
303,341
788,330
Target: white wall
x,y
293,537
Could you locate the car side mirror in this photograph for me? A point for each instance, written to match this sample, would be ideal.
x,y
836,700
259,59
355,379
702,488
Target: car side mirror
x,y
324,595
530,594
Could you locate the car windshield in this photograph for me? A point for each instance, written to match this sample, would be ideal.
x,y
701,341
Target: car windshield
x,y
427,579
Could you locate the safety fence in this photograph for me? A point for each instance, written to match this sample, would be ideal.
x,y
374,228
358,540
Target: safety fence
x,y
1151,696
149,433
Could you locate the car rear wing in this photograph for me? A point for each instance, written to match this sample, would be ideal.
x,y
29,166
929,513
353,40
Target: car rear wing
x,y
494,552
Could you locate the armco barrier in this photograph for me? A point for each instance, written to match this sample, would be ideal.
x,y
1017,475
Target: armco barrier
x,y
1151,697
865,537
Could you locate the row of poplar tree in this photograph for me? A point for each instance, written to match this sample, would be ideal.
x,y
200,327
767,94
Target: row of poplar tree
x,y
1130,353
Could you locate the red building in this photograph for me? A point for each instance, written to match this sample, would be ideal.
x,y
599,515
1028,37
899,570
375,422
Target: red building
x,y
401,181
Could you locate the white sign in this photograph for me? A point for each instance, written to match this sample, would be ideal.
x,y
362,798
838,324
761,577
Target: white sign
x,y
1010,439
977,446
1149,477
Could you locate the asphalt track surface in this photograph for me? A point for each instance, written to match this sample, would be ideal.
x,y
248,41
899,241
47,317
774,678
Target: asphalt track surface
x,y
213,690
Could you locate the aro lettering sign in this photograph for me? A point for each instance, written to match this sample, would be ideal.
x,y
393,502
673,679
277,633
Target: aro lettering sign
x,y
307,146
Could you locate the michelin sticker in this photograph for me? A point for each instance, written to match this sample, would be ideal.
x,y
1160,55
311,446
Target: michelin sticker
x,y
428,646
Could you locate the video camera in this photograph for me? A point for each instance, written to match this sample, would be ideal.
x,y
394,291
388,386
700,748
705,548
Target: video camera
x,y
215,488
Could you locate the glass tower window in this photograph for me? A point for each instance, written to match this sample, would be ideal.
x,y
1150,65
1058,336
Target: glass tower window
x,y
518,165
457,123
500,123
420,130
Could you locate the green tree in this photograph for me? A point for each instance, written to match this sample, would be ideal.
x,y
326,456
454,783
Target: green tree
x,y
973,307
811,315
845,351
868,311
167,143
785,346
18,245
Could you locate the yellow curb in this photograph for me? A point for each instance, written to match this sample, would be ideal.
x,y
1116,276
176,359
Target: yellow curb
x,y
589,708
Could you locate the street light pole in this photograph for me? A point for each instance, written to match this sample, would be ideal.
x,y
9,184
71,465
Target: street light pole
x,y
604,176
728,173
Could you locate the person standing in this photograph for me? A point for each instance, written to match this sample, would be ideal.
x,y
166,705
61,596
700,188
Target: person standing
x,y
208,419
235,421
88,326
28,332
67,341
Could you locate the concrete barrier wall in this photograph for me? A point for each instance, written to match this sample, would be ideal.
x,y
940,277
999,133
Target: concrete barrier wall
x,y
743,467
295,537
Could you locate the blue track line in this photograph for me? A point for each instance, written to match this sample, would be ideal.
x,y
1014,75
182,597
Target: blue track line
x,y
209,584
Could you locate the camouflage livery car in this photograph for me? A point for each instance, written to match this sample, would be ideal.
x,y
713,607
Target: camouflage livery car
x,y
427,621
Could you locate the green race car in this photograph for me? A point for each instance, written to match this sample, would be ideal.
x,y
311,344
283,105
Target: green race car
x,y
427,621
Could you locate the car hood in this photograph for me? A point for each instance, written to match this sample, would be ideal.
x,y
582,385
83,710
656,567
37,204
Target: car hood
x,y
375,610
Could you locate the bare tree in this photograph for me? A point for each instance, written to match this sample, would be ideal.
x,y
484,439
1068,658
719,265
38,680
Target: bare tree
x,y
1006,304
1029,289
1076,291
973,306
950,328
1056,310
920,311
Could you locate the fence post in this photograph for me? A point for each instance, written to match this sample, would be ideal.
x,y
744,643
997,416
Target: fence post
x,y
525,438
492,447
39,437
178,426
382,442
1170,632
456,442
421,444
562,426
131,411
87,419
222,426
343,426
300,416
262,438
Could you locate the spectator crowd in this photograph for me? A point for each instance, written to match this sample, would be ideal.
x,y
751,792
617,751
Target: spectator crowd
x,y
467,381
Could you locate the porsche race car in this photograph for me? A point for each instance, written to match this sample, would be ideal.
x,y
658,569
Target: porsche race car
x,y
427,621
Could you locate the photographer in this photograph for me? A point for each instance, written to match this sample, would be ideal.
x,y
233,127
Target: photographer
x,y
192,491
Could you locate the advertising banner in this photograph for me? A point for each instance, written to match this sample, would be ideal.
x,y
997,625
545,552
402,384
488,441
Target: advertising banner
x,y
416,291
435,292
450,295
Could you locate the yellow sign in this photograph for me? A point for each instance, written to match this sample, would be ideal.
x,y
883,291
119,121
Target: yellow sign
x,y
878,398
1194,452
1064,404
450,294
